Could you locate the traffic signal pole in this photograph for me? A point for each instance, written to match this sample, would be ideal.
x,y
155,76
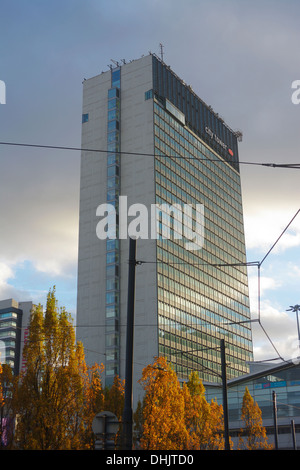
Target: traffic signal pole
x,y
127,413
225,401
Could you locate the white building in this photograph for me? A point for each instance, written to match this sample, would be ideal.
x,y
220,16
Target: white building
x,y
147,137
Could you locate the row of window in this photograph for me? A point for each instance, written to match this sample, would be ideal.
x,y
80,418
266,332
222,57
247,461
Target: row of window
x,y
209,370
230,303
112,246
8,315
201,304
229,211
8,324
199,182
196,147
195,316
8,334
188,343
223,203
164,196
167,84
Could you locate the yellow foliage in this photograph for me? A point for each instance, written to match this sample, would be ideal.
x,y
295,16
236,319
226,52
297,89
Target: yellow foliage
x,y
175,417
58,395
256,437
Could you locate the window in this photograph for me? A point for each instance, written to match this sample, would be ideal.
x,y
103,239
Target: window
x,y
116,78
113,93
148,95
112,171
111,257
112,126
113,115
112,340
111,297
85,118
113,104
111,271
112,159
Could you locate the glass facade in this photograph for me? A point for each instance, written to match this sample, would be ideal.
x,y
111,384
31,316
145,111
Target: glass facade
x,y
199,117
10,333
112,301
283,380
202,294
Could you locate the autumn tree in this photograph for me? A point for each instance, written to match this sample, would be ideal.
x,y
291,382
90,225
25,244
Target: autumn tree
x,y
138,421
163,408
1,404
196,411
7,385
215,428
88,400
114,397
57,394
253,435
204,421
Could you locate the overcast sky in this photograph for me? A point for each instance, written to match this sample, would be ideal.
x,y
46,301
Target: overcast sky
x,y
240,57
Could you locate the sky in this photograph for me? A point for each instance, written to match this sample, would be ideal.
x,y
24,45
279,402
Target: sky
x,y
240,56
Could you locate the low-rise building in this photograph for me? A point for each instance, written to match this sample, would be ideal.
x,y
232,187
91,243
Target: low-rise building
x,y
276,389
14,321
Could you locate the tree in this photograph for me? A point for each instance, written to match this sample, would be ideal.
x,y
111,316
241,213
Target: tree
x,y
196,411
114,402
58,394
254,431
204,421
88,400
114,397
163,408
7,384
138,421
1,405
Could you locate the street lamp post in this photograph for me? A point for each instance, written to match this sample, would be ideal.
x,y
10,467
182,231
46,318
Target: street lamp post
x,y
296,309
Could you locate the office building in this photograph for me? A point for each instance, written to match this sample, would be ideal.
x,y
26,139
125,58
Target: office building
x,y
276,390
14,321
148,141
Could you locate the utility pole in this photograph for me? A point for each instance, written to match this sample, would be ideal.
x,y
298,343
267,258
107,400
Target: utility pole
x,y
293,434
225,402
275,420
296,308
127,414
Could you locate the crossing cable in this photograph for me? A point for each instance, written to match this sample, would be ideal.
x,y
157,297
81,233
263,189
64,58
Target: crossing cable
x,y
252,263
259,281
272,165
220,160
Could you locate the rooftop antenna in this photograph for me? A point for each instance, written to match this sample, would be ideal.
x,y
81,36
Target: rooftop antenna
x,y
161,51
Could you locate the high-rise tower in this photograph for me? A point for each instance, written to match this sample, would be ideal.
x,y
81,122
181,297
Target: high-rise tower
x,y
150,142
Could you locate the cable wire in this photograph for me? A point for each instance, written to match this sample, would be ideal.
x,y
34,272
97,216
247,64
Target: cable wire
x,y
219,160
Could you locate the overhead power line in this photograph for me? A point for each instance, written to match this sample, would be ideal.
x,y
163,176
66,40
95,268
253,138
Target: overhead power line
x,y
255,263
141,154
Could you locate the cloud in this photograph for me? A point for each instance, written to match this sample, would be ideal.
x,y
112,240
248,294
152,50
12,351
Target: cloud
x,y
244,66
5,273
264,225
7,289
39,210
275,334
